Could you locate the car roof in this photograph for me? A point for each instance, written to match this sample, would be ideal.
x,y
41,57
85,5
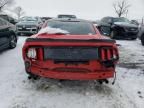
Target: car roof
x,y
69,20
113,17
3,19
3,13
67,14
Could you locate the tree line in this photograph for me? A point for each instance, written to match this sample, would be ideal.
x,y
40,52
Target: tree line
x,y
121,7
6,4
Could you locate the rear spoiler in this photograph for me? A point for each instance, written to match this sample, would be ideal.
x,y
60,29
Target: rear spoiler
x,y
69,40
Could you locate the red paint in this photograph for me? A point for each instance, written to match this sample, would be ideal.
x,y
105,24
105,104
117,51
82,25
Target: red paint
x,y
92,71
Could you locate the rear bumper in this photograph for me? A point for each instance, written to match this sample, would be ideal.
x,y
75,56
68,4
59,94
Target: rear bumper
x,y
93,70
72,75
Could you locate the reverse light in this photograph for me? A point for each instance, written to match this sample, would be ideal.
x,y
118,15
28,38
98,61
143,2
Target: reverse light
x,y
114,56
32,53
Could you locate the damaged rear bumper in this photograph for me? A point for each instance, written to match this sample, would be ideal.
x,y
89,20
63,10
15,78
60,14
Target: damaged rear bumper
x,y
46,73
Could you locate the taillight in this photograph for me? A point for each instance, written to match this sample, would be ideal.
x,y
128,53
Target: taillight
x,y
109,53
32,53
109,56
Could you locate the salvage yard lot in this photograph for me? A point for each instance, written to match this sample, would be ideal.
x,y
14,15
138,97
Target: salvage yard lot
x,y
16,91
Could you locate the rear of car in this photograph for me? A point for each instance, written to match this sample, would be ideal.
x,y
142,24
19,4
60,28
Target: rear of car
x,y
76,51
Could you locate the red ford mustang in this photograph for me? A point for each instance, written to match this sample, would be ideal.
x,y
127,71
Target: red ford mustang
x,y
70,49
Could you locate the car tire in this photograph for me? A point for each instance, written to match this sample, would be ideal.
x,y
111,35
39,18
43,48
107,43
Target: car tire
x,y
142,39
12,41
113,35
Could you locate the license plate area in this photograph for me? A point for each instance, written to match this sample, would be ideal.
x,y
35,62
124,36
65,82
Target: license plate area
x,y
71,54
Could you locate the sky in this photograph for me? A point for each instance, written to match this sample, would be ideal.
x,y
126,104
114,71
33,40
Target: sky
x,y
85,9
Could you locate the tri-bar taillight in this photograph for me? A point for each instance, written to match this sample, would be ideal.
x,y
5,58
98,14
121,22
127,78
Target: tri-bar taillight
x,y
108,53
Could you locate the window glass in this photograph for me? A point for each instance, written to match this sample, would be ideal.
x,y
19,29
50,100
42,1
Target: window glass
x,y
74,28
121,20
2,22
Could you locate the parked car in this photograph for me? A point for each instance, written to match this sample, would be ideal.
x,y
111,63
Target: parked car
x,y
29,25
66,16
118,28
45,18
141,34
8,18
8,38
70,49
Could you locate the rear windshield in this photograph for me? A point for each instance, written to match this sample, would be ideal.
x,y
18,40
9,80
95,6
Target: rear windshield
x,y
73,28
66,16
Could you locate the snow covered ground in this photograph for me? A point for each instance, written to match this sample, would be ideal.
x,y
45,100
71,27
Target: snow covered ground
x,y
128,92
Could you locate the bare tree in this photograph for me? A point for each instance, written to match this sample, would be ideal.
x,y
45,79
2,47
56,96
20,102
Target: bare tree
x,y
121,7
19,12
5,3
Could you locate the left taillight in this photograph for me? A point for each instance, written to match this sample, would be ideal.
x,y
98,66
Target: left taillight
x,y
32,53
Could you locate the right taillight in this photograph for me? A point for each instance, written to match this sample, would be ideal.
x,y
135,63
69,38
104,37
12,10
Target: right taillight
x,y
32,53
109,53
109,56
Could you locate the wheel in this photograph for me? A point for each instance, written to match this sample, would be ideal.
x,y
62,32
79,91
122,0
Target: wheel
x,y
142,39
113,35
12,41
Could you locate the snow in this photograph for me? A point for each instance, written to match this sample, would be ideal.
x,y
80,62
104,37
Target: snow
x,y
50,30
16,91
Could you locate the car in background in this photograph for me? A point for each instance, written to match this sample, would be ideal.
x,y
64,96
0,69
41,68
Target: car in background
x,y
8,38
45,18
118,28
8,18
70,49
141,34
29,25
66,16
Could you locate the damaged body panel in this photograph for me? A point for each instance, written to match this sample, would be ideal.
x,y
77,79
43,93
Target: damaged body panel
x,y
72,57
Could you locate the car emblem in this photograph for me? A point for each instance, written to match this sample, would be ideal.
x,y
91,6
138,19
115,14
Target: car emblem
x,y
23,26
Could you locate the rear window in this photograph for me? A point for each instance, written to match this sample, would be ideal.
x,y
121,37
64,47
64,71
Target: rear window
x,y
73,28
66,16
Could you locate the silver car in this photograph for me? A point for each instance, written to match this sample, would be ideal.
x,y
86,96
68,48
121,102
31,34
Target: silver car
x,y
28,25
